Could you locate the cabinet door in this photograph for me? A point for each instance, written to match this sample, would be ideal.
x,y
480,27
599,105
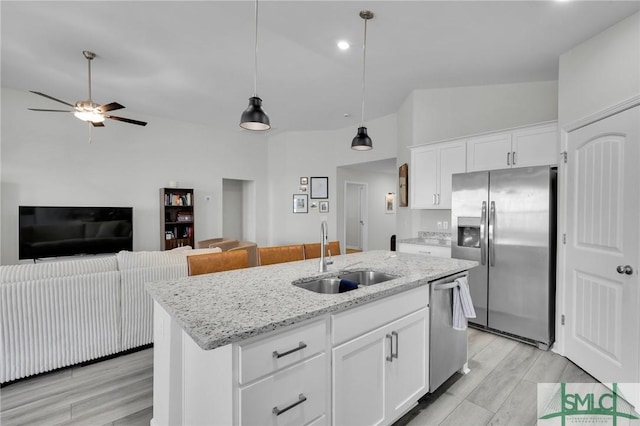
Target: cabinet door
x,y
408,374
423,179
453,159
535,146
358,380
489,152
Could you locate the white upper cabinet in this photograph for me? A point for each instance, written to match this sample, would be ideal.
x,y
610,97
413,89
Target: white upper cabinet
x,y
524,147
430,173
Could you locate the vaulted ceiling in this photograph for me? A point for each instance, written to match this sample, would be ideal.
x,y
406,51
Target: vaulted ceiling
x,y
193,61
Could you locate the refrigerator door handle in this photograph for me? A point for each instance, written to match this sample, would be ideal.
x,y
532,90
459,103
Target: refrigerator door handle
x,y
483,236
492,226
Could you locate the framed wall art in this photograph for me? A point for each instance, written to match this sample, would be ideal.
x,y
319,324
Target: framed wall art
x,y
390,203
403,185
300,203
319,187
324,207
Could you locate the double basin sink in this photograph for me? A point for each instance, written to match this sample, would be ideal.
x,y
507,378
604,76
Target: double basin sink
x,y
344,281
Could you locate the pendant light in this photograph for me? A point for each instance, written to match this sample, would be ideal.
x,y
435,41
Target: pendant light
x,y
254,117
362,142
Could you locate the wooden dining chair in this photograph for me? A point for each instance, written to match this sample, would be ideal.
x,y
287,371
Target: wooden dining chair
x,y
280,254
312,250
217,262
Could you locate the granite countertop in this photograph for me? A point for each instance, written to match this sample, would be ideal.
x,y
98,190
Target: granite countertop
x,y
227,307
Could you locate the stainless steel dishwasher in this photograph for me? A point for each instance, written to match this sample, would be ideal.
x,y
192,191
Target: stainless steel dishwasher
x,y
447,347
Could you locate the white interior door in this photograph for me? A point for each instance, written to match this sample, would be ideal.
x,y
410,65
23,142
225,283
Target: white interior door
x,y
602,329
355,218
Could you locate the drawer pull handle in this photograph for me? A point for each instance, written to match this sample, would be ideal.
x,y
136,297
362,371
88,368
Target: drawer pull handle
x,y
393,333
301,399
301,346
390,357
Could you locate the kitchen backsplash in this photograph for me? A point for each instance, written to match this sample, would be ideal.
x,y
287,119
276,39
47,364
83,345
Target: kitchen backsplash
x,y
434,235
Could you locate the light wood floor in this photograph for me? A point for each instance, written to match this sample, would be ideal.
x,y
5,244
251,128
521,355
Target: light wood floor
x,y
117,391
499,390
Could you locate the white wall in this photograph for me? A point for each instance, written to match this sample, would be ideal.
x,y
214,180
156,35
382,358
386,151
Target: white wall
x,y
232,209
439,114
405,215
46,160
381,226
296,154
601,72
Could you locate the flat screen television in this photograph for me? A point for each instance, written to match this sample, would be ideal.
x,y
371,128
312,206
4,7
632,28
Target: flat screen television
x,y
68,231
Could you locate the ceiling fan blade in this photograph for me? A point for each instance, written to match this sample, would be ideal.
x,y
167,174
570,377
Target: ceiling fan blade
x,y
97,123
52,98
50,110
126,120
110,107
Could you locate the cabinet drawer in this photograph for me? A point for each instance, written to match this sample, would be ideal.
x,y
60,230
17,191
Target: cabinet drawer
x,y
268,355
354,322
439,251
284,389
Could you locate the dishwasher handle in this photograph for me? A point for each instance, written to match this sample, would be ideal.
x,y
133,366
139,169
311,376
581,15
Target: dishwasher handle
x,y
449,282
447,286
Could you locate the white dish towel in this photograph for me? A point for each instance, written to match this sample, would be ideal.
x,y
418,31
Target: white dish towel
x,y
462,304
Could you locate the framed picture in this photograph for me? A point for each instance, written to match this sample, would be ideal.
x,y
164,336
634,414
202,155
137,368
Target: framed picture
x,y
324,207
300,203
304,181
403,185
319,187
390,203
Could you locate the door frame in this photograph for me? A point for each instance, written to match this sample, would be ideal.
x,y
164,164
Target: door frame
x,y
561,285
364,213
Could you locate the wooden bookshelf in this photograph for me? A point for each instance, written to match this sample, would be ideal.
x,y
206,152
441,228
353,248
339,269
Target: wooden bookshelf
x,y
176,218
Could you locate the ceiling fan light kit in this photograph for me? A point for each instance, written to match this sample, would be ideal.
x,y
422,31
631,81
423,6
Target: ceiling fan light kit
x,y
87,110
254,117
362,142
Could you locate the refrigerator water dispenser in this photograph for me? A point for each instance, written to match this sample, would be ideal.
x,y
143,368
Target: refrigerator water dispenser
x,y
469,232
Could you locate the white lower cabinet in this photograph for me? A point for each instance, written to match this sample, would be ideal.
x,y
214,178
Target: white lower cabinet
x,y
293,396
367,365
378,376
283,379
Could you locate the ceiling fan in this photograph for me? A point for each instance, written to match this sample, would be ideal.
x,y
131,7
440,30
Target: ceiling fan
x,y
88,110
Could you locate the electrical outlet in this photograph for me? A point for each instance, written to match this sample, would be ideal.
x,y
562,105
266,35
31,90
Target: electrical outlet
x,y
445,225
439,225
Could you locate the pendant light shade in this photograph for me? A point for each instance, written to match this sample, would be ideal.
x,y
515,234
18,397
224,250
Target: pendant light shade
x,y
362,142
254,117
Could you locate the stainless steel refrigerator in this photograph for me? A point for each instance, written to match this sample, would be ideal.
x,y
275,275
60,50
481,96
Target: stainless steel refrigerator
x,y
505,219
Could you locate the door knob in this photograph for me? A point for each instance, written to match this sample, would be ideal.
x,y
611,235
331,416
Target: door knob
x,y
624,269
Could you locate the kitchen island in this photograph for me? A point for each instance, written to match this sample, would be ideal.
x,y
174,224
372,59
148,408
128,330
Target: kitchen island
x,y
228,343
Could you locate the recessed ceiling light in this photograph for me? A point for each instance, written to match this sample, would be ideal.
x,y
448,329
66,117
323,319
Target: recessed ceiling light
x,y
343,45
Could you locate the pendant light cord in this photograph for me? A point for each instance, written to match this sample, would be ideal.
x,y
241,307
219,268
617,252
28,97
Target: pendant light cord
x,y
89,63
255,58
364,58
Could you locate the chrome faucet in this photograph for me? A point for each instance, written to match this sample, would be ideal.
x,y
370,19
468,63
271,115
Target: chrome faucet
x,y
323,244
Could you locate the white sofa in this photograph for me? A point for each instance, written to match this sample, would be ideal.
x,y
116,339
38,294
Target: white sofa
x,y
57,314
